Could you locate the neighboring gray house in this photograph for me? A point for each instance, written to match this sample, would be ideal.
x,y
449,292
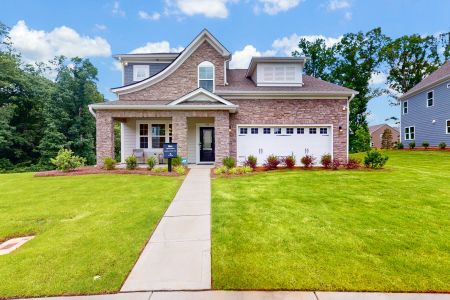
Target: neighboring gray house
x,y
425,110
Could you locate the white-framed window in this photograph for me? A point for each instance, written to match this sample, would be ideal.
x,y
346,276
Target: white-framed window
x,y
266,130
158,135
140,72
448,85
277,130
430,98
324,130
447,126
243,130
405,107
206,76
254,131
300,130
289,130
143,136
312,130
410,133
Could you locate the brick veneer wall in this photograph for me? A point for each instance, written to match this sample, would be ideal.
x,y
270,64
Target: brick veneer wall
x,y
184,79
325,111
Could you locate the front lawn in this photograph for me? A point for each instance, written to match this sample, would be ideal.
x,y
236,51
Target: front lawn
x,y
386,230
89,230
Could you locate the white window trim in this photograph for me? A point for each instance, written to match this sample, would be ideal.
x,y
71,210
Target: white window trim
x,y
432,91
409,133
448,85
135,67
403,107
207,64
447,127
150,123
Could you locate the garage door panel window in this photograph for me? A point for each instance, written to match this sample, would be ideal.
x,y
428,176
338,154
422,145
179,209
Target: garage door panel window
x,y
266,130
289,130
313,131
323,130
300,130
243,130
254,131
277,130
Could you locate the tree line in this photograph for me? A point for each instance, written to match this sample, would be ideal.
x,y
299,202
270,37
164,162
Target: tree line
x,y
358,56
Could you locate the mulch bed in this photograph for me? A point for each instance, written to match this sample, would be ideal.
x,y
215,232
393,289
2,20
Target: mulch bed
x,y
96,170
423,149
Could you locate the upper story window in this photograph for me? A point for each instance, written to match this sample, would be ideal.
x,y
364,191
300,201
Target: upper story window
x,y
405,107
430,98
206,76
448,126
140,72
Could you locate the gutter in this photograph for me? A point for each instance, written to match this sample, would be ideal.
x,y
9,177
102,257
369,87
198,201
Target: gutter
x,y
348,122
231,108
91,110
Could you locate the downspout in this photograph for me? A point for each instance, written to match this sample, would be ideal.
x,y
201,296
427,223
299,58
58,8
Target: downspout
x,y
91,110
225,65
348,122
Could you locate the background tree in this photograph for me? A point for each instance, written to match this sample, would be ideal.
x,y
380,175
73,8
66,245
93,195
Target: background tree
x,y
386,139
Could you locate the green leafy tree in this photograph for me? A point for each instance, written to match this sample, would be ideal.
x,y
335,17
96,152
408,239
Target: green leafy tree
x,y
51,143
117,141
361,140
386,139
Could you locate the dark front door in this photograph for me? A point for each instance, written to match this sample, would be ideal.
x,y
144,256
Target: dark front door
x,y
207,144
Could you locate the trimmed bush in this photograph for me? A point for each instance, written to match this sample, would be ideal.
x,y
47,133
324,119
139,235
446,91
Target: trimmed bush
x,y
375,159
353,163
400,145
272,162
246,169
66,161
109,163
229,162
412,145
131,162
221,170
425,144
289,161
251,161
180,170
326,161
151,162
233,171
336,164
160,169
442,145
176,161
308,161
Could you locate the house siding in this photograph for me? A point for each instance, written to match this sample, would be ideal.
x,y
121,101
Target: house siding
x,y
376,136
421,117
128,70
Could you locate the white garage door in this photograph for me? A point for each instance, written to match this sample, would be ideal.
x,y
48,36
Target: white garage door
x,y
262,141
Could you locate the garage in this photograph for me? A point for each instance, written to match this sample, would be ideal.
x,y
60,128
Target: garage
x,y
264,140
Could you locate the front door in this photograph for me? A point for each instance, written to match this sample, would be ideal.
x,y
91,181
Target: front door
x,y
207,144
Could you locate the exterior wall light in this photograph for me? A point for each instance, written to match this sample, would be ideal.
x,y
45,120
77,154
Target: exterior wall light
x,y
344,108
434,121
340,129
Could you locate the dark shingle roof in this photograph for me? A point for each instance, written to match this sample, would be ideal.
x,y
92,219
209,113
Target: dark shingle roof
x,y
441,73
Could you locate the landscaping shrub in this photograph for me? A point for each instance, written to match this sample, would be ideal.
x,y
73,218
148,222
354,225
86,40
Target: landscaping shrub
x,y
308,161
221,170
109,163
425,144
131,162
251,161
271,162
176,161
326,161
353,163
400,145
229,162
412,145
442,145
289,161
336,164
66,161
151,162
160,169
233,171
246,169
180,170
375,159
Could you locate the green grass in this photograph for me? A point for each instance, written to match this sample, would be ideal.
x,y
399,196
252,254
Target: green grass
x,y
386,230
85,226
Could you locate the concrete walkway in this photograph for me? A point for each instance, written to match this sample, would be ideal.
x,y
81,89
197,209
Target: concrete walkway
x,y
178,255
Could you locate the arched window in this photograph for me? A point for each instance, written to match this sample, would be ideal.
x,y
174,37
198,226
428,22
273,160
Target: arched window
x,y
206,76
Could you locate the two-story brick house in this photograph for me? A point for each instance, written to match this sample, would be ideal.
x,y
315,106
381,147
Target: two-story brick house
x,y
425,110
211,111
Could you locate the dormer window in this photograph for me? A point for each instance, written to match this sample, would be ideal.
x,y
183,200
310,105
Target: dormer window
x,y
206,76
140,72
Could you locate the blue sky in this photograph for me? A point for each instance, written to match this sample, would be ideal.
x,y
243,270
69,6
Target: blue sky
x,y
98,29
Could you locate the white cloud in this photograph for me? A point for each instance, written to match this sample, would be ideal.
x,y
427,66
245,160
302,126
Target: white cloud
x,y
241,58
273,7
348,16
157,47
100,27
117,66
207,8
378,78
286,45
146,16
337,4
116,10
39,45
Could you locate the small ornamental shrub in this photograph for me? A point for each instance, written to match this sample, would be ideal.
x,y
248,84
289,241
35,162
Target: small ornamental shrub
x,y
176,161
161,169
326,161
251,161
336,164
221,170
109,163
412,145
400,145
442,145
308,161
131,162
229,162
233,171
425,144
246,169
375,159
151,163
180,170
353,163
271,162
66,161
289,161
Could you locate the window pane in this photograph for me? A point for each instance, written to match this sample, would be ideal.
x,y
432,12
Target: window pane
x,y
158,129
254,130
243,130
143,129
430,95
300,130
266,130
289,130
323,130
206,73
312,131
277,131
143,142
411,129
157,142
206,84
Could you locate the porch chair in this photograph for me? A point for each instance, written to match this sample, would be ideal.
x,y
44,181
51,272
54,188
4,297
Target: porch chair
x,y
139,153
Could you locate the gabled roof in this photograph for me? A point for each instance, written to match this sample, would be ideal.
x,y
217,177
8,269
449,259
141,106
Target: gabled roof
x,y
440,75
203,36
374,128
203,96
